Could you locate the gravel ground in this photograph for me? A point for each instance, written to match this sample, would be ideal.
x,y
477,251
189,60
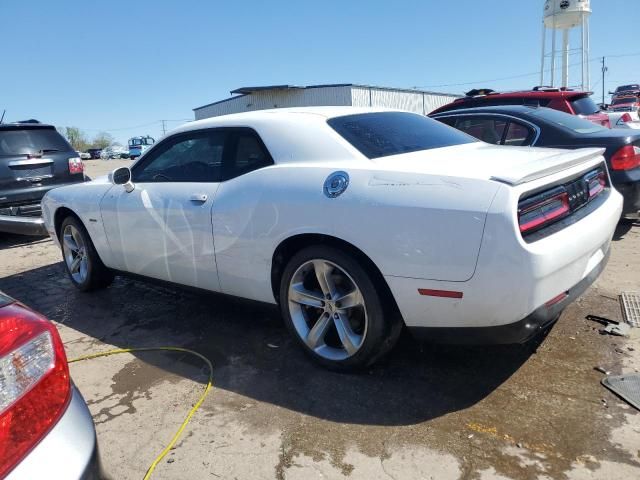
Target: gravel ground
x,y
428,412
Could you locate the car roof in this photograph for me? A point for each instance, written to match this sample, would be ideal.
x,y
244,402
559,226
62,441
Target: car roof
x,y
17,125
292,134
504,109
283,114
280,116
525,94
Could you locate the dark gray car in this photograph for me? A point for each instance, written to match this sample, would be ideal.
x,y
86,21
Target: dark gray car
x,y
34,158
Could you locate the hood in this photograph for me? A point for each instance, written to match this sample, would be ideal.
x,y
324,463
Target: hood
x,y
512,165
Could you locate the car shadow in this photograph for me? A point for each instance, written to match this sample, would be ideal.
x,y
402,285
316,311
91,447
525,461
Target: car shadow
x,y
10,240
623,227
253,354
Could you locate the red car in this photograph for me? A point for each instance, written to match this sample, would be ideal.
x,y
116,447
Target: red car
x,y
565,100
626,102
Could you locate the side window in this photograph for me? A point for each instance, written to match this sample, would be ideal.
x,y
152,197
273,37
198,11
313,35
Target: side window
x,y
451,121
248,154
487,129
189,157
518,134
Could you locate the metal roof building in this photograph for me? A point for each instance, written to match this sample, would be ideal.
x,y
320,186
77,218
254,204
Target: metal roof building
x,y
345,94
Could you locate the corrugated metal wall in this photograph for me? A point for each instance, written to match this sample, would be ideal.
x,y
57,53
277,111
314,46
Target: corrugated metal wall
x,y
418,102
309,97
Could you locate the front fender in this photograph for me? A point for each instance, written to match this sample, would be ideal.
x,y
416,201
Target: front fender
x,y
84,201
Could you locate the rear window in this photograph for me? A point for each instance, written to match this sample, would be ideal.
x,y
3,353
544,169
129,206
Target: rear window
x,y
584,106
390,133
566,120
31,140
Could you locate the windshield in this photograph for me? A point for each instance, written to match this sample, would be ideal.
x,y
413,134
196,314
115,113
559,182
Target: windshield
x,y
25,141
584,106
390,133
634,86
565,120
618,101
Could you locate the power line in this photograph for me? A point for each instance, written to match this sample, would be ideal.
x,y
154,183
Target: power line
x,y
524,75
137,126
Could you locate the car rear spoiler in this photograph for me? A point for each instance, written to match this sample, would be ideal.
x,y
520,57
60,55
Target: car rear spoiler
x,y
547,166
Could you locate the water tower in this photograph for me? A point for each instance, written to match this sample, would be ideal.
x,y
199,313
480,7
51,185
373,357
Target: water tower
x,y
565,15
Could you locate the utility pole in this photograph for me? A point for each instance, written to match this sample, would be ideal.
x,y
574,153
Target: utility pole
x,y
164,128
604,70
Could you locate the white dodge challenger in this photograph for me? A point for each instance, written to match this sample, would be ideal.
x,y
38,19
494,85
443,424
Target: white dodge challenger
x,y
357,222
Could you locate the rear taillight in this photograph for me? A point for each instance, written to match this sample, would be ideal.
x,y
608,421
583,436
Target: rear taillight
x,y
627,158
75,165
34,382
536,212
624,118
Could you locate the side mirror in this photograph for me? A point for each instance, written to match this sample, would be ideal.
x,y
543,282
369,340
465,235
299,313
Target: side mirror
x,y
122,176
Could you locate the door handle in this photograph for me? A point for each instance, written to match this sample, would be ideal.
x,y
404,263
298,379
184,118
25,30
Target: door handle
x,y
198,197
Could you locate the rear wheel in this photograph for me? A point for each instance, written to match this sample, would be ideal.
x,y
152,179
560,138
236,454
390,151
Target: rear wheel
x,y
82,263
331,306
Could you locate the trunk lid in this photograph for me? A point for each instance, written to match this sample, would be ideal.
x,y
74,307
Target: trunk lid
x,y
510,165
33,159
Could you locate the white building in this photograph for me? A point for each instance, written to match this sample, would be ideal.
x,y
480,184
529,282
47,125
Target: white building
x,y
281,96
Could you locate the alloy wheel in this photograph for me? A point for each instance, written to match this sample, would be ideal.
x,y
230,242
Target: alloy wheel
x,y
75,253
327,309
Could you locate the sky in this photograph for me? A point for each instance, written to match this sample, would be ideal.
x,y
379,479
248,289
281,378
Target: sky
x,y
122,66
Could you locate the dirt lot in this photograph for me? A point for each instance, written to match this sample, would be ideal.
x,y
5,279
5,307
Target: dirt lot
x,y
428,412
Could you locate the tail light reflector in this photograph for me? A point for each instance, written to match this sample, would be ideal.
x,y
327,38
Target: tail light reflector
x,y
75,165
543,209
34,382
596,183
556,299
627,158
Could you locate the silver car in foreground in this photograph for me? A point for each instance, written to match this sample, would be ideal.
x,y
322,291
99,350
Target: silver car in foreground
x,y
46,430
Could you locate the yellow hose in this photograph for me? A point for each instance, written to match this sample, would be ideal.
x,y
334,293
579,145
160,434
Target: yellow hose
x,y
173,441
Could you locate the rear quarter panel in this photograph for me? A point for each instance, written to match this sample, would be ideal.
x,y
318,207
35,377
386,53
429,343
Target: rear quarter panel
x,y
410,225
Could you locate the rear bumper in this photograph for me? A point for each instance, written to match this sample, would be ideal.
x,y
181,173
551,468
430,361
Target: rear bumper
x,y
513,279
518,332
70,449
22,225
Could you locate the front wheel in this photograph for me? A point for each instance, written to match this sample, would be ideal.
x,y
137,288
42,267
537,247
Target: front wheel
x,y
332,307
82,263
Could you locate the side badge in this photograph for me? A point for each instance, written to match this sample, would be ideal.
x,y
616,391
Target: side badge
x,y
336,184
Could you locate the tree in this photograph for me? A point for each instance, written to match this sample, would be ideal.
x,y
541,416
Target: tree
x,y
102,140
77,138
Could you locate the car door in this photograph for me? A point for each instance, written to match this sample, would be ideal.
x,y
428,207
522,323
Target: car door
x,y
244,218
162,229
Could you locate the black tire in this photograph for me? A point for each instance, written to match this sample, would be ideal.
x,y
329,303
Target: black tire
x,y
383,326
97,274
